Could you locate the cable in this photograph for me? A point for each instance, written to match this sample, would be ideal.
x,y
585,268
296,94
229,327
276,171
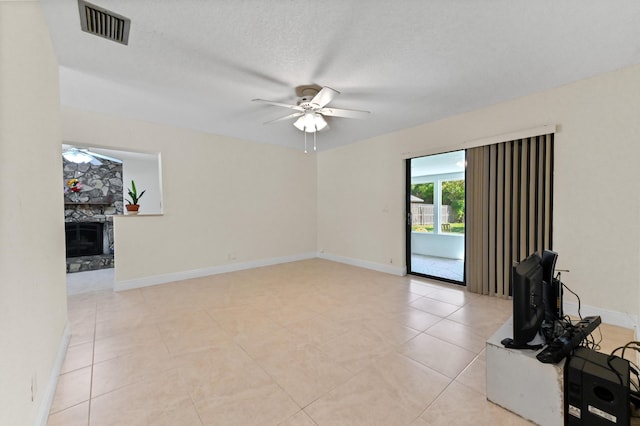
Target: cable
x,y
635,345
634,385
572,292
609,359
591,343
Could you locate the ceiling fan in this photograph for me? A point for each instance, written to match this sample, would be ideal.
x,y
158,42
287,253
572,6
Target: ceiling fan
x,y
81,155
312,109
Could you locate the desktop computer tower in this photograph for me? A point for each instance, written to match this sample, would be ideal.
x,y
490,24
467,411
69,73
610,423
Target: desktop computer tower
x,y
596,389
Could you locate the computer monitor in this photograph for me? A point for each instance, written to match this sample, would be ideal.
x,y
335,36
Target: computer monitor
x,y
552,325
528,304
552,288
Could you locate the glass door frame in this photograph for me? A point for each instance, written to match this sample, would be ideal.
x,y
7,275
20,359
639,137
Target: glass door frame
x,y
408,231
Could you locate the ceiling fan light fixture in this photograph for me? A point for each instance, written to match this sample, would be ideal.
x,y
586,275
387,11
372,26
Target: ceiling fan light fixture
x,y
310,122
77,157
299,123
320,122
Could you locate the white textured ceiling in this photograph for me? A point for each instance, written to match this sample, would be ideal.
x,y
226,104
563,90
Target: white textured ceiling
x,y
198,64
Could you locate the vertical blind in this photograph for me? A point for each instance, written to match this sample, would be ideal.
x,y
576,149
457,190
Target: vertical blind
x,y
508,209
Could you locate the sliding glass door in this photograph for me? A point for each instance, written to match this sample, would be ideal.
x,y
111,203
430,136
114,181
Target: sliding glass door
x,y
436,216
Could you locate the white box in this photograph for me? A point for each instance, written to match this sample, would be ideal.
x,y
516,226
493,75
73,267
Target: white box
x,y
517,381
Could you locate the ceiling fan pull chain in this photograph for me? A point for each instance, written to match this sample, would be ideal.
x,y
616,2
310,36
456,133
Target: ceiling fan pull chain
x,y
305,140
314,138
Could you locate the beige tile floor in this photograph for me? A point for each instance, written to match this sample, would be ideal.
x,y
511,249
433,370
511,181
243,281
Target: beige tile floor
x,y
304,343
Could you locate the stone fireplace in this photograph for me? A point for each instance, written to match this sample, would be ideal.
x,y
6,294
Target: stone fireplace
x,y
89,214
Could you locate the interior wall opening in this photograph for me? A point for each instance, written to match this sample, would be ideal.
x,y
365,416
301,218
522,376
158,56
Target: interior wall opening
x,y
96,183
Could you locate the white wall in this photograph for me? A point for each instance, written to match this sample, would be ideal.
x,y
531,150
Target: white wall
x,y
33,309
361,204
226,201
360,187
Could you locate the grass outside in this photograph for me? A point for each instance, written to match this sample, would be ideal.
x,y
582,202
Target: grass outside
x,y
456,228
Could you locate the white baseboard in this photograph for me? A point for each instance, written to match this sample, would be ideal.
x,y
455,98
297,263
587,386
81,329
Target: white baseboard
x,y
393,270
620,319
214,270
42,415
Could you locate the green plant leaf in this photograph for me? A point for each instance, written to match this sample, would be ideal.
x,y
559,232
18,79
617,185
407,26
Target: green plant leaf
x,y
133,193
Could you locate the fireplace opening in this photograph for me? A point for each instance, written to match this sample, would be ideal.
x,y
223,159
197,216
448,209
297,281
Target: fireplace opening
x,y
83,238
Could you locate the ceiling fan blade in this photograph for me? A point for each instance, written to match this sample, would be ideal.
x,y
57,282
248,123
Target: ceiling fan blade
x,y
345,113
295,107
324,96
294,115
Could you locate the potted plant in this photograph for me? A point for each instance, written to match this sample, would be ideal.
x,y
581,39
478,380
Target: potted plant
x,y
134,197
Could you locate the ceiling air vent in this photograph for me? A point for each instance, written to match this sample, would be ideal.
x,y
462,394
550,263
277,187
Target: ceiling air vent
x,y
104,23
